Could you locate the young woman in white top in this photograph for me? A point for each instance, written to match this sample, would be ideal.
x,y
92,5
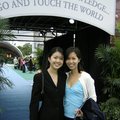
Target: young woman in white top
x,y
79,85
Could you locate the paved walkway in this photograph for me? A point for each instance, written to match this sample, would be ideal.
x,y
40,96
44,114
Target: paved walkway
x,y
14,103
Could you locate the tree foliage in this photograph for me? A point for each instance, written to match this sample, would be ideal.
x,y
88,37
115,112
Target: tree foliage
x,y
26,49
4,82
109,59
39,58
5,32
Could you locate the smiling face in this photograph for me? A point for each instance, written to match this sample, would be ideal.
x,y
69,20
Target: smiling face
x,y
72,61
56,60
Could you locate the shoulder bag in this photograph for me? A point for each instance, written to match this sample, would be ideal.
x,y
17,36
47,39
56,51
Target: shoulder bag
x,y
42,87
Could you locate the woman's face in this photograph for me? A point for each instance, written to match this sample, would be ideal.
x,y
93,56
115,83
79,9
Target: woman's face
x,y
56,60
72,61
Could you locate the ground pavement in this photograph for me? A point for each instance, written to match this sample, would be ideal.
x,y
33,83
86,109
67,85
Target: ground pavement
x,y
14,103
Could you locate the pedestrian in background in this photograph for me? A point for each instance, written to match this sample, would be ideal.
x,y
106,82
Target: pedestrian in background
x,y
30,64
24,66
15,62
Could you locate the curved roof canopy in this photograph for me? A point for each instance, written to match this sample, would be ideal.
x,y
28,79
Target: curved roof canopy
x,y
39,14
11,48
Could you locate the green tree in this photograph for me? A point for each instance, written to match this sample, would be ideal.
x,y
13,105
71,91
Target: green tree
x,y
109,59
26,49
5,33
39,57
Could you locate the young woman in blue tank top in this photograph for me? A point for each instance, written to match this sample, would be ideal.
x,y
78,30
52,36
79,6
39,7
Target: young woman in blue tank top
x,y
79,85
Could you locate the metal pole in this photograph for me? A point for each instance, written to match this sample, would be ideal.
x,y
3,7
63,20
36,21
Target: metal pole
x,y
74,37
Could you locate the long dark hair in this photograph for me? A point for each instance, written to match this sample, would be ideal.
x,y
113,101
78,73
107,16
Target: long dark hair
x,y
52,51
55,49
78,54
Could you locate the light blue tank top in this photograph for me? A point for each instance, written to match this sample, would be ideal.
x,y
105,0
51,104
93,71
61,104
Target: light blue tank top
x,y
73,99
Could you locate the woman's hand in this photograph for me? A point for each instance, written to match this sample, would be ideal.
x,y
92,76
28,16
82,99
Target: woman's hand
x,y
78,113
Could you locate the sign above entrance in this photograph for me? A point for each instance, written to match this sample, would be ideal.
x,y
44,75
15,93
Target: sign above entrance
x,y
99,13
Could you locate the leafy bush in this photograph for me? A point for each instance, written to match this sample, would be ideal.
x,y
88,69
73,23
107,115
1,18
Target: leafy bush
x,y
39,57
109,58
5,33
4,81
112,109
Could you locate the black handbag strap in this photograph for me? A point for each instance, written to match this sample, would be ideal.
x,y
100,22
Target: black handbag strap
x,y
42,91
